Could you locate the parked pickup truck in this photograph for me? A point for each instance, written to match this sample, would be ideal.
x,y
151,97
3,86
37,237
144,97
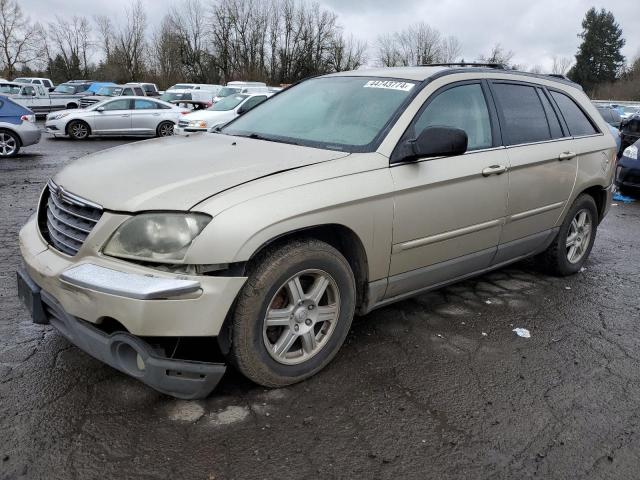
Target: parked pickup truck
x,y
37,98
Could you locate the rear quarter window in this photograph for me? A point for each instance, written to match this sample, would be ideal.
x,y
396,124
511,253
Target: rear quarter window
x,y
577,121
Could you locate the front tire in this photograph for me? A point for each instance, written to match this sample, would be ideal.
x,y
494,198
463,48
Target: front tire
x,y
78,130
9,144
572,246
293,314
165,129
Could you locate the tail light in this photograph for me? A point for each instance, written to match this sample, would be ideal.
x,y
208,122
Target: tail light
x,y
28,118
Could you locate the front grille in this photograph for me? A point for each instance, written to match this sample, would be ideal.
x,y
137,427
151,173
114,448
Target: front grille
x,y
86,102
66,220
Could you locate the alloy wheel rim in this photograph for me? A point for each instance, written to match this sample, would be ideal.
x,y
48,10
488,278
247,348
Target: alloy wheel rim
x,y
8,144
578,236
301,317
166,130
79,130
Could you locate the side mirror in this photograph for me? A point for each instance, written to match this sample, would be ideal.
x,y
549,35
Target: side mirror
x,y
432,142
100,109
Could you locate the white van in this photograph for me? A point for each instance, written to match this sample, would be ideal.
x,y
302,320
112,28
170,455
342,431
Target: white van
x,y
234,88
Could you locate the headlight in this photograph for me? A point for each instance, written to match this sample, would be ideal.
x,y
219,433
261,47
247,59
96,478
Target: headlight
x,y
58,116
156,237
198,124
631,152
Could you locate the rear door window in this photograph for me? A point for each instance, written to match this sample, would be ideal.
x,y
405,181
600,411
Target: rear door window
x,y
577,121
145,105
139,91
523,115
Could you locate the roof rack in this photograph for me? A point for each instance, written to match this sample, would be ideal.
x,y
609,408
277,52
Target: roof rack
x,y
497,66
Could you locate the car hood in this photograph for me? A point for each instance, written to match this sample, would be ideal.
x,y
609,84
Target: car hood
x,y
176,173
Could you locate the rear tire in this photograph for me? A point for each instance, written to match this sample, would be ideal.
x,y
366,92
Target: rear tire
x,y
572,246
293,314
165,129
78,130
9,144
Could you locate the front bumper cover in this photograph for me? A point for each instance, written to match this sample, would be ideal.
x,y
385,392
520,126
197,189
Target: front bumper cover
x,y
127,353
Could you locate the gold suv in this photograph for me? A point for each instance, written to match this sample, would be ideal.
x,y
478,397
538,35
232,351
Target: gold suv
x,y
336,196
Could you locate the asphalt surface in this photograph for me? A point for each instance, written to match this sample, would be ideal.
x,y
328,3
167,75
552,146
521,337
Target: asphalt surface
x,y
436,387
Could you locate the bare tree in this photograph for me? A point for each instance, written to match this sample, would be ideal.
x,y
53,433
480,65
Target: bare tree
x,y
451,50
130,43
347,54
418,44
18,37
561,65
105,32
72,41
497,55
388,54
536,69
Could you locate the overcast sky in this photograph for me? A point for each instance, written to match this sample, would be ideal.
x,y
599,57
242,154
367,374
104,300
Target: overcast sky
x,y
535,30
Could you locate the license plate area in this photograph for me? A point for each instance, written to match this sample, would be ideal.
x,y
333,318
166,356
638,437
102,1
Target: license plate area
x,y
29,293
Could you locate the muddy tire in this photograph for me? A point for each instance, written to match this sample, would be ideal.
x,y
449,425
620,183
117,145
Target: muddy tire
x,y
293,314
572,246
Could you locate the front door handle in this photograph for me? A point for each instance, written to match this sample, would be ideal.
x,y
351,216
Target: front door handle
x,y
566,156
494,170
125,116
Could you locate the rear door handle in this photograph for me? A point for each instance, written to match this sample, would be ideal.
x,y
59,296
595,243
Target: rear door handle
x,y
566,156
124,116
494,170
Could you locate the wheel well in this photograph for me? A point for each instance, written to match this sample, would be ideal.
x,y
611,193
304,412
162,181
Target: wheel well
x,y
72,105
14,134
599,195
66,128
342,239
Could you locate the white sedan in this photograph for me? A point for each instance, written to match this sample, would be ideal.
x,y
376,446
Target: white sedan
x,y
220,113
138,116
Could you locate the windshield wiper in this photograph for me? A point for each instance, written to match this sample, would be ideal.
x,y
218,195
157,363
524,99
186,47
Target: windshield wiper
x,y
257,136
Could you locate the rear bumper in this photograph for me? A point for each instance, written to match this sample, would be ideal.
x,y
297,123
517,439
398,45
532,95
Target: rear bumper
x,y
29,134
127,353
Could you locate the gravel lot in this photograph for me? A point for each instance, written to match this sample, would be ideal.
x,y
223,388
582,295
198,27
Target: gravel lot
x,y
434,387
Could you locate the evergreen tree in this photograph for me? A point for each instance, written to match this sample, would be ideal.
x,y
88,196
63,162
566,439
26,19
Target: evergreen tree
x,y
598,59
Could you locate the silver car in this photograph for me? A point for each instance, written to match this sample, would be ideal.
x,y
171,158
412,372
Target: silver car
x,y
17,128
138,116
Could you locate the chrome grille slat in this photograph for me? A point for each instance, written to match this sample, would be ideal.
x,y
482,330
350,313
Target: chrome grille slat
x,y
66,220
60,219
60,230
68,209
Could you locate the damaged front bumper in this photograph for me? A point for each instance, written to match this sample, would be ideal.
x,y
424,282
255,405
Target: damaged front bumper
x,y
127,353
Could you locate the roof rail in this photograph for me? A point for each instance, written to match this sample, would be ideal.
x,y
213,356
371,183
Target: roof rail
x,y
497,66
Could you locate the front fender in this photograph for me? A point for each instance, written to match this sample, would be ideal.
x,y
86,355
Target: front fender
x,y
361,202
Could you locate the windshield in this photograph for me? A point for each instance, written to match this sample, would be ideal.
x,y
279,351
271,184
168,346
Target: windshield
x,y
65,89
172,97
10,89
345,113
226,91
181,86
109,91
227,103
630,109
22,80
